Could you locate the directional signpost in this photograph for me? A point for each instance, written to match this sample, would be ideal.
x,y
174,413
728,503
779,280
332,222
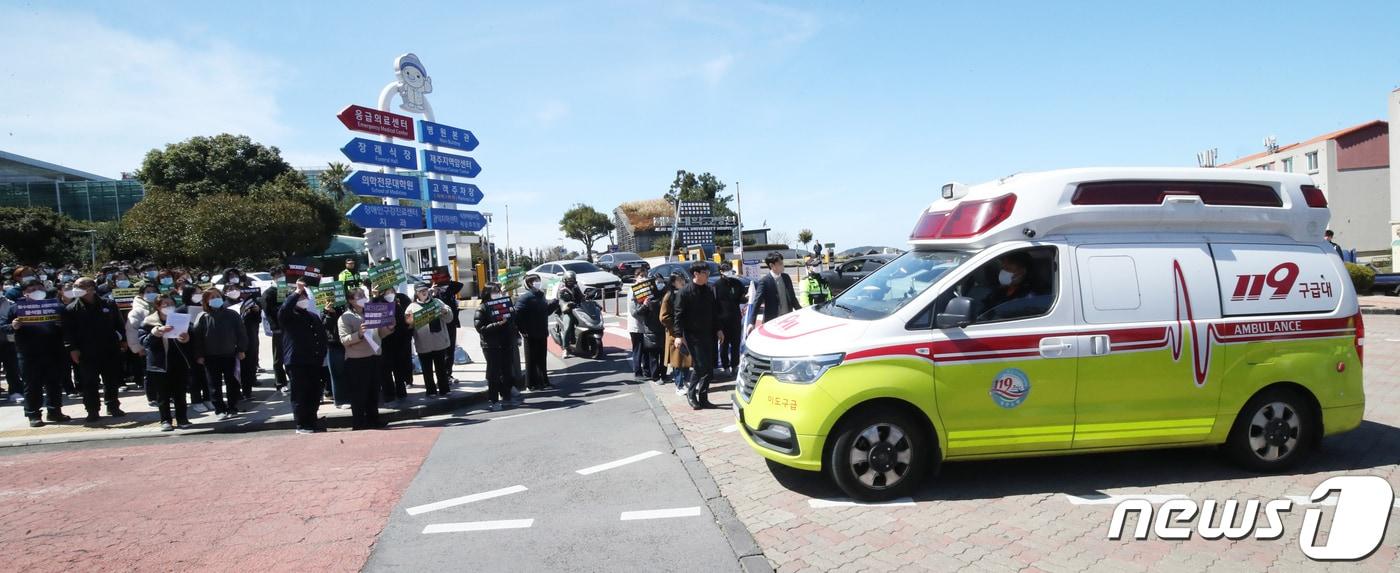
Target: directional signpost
x,y
448,164
361,150
446,136
360,118
371,184
450,192
453,220
386,216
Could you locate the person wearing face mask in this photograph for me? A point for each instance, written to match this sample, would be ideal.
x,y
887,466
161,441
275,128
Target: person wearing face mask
x,y
168,361
731,295
432,342
303,353
1011,279
141,307
396,363
251,313
271,304
531,314
40,349
646,342
498,336
218,340
361,361
447,291
9,360
570,295
677,356
95,336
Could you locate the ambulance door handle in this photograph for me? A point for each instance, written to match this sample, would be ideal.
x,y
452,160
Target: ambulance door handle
x,y
1098,345
1054,347
921,351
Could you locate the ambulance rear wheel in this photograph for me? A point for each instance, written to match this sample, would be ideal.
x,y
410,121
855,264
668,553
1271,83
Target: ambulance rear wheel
x,y
879,454
1274,432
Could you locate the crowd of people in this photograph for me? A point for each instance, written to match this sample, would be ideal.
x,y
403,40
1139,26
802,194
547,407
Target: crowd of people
x,y
190,340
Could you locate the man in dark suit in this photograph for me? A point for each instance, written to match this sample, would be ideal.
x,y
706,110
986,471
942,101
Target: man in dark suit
x,y
532,312
773,293
731,296
697,331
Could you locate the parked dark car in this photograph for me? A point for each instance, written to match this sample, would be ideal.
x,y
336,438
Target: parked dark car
x,y
665,270
850,272
624,265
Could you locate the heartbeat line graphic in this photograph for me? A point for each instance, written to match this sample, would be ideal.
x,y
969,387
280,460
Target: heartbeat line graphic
x,y
1201,343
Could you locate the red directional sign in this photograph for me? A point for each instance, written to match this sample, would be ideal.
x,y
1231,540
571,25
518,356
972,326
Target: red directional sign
x,y
360,118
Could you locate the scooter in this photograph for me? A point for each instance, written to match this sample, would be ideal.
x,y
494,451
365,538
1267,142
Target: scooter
x,y
588,327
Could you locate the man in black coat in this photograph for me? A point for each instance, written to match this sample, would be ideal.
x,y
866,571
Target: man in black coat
x,y
532,318
40,349
303,351
271,304
697,330
396,360
731,294
773,293
95,336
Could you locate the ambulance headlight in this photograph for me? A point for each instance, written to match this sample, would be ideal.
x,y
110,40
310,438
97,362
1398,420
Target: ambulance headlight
x,y
805,369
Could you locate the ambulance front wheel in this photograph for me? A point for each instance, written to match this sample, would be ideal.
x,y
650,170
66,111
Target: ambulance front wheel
x,y
1275,431
879,454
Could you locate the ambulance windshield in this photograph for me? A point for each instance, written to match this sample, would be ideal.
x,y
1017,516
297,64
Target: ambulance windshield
x,y
894,284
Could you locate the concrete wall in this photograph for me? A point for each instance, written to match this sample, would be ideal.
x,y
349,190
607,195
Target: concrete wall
x,y
1360,216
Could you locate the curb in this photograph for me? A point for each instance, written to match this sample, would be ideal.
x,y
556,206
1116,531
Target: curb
x,y
1381,311
746,549
236,426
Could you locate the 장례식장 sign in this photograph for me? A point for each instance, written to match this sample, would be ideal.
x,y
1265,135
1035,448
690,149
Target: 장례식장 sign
x,y
449,164
361,150
428,312
367,120
642,291
500,308
378,314
31,311
387,275
446,136
329,292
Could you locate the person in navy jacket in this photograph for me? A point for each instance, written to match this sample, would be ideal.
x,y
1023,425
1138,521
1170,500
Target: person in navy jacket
x,y
303,351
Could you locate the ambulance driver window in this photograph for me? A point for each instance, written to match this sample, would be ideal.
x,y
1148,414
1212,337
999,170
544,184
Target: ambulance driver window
x,y
1016,285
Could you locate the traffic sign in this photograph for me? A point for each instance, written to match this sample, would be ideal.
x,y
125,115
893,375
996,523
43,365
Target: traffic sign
x,y
446,136
449,192
371,184
361,150
360,118
385,216
449,164
453,220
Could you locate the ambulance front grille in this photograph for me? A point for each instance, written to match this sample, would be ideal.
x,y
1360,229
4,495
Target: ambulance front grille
x,y
751,368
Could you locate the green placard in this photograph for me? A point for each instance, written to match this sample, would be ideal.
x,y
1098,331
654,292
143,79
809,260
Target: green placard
x,y
387,275
282,290
426,314
329,292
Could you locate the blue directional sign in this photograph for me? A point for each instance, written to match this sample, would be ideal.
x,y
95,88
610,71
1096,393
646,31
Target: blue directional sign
x,y
449,192
448,164
446,136
386,216
453,220
361,150
371,184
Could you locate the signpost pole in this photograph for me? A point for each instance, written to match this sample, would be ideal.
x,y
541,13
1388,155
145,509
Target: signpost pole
x,y
394,236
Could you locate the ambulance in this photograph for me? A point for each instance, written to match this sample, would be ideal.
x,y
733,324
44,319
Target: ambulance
x,y
1071,311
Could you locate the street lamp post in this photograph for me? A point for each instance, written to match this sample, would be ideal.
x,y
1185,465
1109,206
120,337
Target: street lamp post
x,y
92,236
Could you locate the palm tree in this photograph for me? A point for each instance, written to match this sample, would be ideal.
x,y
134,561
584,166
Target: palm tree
x,y
804,236
331,179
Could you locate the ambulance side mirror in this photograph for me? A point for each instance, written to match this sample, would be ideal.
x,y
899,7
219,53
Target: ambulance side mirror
x,y
958,314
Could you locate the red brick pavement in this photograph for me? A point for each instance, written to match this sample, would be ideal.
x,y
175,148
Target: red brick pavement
x,y
270,503
1014,515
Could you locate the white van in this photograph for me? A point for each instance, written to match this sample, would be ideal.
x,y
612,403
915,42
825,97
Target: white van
x,y
1082,310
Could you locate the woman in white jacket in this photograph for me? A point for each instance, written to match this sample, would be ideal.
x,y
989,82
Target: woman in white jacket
x,y
141,307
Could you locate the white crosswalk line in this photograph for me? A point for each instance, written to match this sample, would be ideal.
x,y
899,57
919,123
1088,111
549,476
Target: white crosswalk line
x,y
425,508
478,526
661,513
618,463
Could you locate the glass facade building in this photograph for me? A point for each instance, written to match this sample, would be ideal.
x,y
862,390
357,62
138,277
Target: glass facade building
x,y
80,200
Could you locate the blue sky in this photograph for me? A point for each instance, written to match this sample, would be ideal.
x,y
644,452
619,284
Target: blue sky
x,y
842,117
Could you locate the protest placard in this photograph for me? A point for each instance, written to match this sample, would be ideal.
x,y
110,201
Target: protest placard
x,y
379,314
31,311
282,289
329,292
428,312
124,296
440,275
387,275
500,308
300,268
642,291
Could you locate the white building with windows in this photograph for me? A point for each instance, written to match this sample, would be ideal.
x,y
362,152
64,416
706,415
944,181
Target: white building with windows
x,y
1352,167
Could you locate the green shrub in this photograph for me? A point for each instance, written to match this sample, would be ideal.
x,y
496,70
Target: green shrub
x,y
1363,277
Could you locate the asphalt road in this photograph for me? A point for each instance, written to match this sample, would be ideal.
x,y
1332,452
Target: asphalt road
x,y
580,479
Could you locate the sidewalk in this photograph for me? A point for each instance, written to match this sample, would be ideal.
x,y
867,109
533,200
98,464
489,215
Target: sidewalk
x,y
1380,304
269,410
